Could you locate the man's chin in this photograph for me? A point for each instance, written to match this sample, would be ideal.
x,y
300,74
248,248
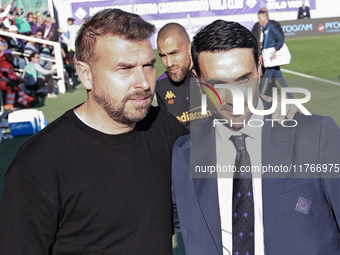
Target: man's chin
x,y
234,122
140,112
176,78
237,123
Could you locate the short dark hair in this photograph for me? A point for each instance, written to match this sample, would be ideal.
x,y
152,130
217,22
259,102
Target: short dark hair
x,y
70,19
222,36
113,22
263,12
32,55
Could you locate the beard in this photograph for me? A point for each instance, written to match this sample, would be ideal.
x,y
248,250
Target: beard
x,y
116,110
181,74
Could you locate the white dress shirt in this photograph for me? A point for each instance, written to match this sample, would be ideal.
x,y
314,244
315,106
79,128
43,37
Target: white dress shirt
x,y
226,154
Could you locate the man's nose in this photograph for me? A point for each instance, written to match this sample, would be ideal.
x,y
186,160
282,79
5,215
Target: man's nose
x,y
169,61
142,80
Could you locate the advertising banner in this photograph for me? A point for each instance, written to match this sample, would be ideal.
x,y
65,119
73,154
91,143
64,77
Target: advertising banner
x,y
176,9
310,27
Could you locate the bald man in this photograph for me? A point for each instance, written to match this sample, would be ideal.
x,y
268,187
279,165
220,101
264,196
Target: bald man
x,y
173,87
173,90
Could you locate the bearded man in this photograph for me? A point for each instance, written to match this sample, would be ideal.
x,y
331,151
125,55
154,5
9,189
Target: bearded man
x,y
97,179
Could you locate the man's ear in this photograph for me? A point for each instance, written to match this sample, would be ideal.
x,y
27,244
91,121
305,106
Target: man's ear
x,y
194,73
197,80
189,48
85,74
259,67
196,77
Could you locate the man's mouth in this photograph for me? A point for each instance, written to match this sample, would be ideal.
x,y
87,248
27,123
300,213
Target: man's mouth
x,y
228,107
140,100
173,70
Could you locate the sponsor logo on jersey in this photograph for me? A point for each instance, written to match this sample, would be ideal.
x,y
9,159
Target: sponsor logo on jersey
x,y
193,114
170,97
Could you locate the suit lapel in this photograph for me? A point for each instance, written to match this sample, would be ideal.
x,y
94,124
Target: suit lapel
x,y
203,153
277,148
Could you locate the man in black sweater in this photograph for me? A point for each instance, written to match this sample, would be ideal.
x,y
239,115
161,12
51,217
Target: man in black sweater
x,y
97,180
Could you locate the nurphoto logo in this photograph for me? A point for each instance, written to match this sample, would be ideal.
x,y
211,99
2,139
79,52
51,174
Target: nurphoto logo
x,y
238,97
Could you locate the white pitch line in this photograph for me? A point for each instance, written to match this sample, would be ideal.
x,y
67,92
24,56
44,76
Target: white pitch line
x,y
311,77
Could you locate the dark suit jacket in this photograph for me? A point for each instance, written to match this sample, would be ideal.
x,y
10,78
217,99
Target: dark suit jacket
x,y
53,34
272,36
17,45
315,139
257,30
303,14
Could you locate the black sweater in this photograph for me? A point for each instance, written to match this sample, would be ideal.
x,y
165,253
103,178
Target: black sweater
x,y
74,190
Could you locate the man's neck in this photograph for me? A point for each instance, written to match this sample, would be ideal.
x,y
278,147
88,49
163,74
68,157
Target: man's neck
x,y
266,23
191,65
93,115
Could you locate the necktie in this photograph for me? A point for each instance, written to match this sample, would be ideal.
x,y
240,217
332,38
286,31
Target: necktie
x,y
243,202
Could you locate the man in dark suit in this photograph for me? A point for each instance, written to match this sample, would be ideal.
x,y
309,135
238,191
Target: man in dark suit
x,y
293,212
50,30
272,38
303,12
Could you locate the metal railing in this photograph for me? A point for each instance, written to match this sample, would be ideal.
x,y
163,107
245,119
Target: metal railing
x,y
57,53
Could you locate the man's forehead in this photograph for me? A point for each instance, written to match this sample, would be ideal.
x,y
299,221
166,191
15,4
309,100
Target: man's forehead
x,y
171,44
173,37
123,50
244,53
120,41
232,62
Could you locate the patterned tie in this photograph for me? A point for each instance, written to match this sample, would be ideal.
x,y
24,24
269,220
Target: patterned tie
x,y
243,203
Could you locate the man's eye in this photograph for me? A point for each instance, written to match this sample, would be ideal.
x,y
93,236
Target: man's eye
x,y
243,80
150,66
208,84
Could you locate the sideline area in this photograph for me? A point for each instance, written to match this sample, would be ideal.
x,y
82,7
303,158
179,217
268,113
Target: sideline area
x,y
311,77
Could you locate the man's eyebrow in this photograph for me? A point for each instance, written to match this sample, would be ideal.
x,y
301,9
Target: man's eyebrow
x,y
126,65
162,54
244,76
131,65
226,80
213,81
173,52
151,62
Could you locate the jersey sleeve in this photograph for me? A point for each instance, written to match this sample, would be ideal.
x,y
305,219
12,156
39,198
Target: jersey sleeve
x,y
279,39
